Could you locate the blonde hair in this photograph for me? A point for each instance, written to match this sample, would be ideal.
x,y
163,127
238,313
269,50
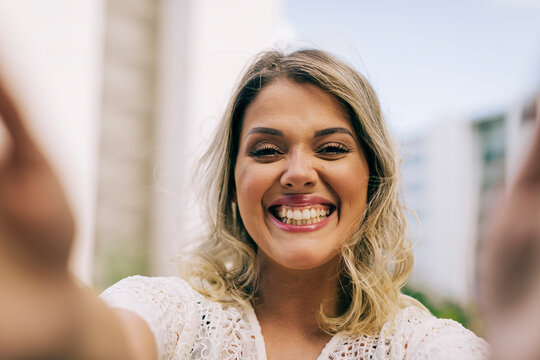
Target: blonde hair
x,y
376,260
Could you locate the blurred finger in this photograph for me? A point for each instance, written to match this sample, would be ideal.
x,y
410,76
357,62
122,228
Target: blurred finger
x,y
12,119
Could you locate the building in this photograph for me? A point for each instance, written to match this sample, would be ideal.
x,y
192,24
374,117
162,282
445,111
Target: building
x,y
454,175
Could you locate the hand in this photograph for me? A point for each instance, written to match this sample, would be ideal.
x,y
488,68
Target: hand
x,y
510,287
36,233
33,209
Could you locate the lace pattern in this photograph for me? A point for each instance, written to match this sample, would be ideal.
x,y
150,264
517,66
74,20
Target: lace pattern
x,y
223,333
186,325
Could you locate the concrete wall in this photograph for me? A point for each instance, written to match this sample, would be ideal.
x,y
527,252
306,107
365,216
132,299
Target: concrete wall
x,y
440,173
203,47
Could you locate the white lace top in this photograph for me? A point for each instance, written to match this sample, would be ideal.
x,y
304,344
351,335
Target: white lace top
x,y
186,325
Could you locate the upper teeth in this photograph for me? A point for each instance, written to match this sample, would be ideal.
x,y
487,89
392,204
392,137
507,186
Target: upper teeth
x,y
305,213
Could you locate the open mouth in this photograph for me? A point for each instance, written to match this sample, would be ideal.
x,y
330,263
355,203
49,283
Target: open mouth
x,y
301,215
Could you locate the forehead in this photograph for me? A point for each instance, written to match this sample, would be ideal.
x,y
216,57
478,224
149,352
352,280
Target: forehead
x,y
286,104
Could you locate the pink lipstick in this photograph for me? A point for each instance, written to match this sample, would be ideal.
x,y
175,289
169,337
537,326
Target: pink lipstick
x,y
301,213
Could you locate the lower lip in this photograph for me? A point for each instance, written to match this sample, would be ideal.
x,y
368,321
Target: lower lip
x,y
301,228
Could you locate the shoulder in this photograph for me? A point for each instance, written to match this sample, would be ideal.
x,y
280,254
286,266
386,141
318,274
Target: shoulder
x,y
165,289
154,297
182,320
415,333
169,305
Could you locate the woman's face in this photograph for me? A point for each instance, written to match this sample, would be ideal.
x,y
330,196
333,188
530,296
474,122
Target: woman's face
x,y
301,176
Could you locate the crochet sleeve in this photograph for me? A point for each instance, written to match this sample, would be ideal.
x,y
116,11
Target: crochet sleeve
x,y
417,335
168,305
445,339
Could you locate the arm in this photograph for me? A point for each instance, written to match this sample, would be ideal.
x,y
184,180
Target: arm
x,y
101,332
510,267
43,312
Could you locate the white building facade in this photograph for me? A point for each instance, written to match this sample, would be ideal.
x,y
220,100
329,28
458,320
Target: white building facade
x,y
454,176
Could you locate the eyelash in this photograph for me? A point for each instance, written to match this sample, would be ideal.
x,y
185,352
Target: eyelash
x,y
329,149
265,150
333,148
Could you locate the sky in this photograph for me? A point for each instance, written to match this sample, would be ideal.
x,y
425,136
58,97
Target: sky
x,y
429,60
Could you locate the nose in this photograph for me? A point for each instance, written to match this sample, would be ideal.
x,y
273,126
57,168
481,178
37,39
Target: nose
x,y
299,173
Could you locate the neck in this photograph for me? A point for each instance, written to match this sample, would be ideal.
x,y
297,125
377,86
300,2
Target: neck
x,y
294,297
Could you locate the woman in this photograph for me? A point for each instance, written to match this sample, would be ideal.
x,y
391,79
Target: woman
x,y
307,247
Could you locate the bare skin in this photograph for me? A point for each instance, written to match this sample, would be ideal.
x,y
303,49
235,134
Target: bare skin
x,y
510,290
287,312
43,312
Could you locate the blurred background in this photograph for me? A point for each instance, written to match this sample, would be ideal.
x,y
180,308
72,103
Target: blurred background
x,y
124,96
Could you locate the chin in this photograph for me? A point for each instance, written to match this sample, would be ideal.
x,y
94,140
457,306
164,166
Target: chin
x,y
301,259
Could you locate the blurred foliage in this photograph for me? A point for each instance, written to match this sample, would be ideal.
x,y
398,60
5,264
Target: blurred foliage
x,y
441,309
122,257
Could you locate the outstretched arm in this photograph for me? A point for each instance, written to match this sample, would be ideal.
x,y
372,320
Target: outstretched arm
x,y
44,314
510,288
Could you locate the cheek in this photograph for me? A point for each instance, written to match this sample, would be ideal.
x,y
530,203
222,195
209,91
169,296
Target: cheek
x,y
252,182
351,183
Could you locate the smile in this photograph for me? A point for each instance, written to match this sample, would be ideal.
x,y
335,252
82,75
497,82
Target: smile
x,y
304,215
300,213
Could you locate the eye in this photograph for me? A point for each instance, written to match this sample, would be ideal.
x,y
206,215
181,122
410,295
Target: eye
x,y
265,151
333,149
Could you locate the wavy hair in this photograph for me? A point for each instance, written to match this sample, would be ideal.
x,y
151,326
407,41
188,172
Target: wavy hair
x,y
376,260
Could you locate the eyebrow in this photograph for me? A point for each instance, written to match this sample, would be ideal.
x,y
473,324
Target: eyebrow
x,y
318,133
333,130
265,130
